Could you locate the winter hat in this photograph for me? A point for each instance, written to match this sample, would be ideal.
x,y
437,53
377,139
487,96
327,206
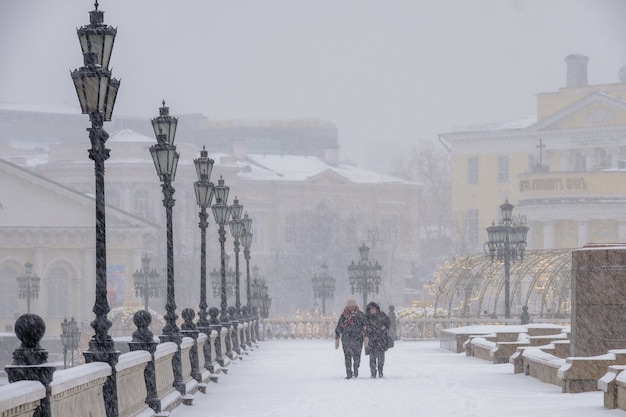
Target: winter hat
x,y
372,304
350,303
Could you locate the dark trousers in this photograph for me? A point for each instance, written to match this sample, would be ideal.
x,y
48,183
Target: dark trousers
x,y
352,355
377,361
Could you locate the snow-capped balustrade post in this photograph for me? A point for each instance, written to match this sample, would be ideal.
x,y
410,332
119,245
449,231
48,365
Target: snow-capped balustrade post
x,y
30,360
216,326
131,385
169,397
235,329
188,329
143,339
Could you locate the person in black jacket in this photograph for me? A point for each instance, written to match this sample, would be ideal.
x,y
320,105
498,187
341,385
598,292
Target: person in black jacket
x,y
350,330
377,324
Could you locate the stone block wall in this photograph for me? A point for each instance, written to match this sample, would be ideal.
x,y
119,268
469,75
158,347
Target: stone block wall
x,y
598,299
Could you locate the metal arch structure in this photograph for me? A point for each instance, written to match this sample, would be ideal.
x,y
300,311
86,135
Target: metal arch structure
x,y
472,286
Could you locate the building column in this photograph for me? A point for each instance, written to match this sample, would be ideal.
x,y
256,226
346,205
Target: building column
x,y
87,295
548,234
40,305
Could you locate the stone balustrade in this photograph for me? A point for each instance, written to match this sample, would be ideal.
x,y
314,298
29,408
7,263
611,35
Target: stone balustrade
x,y
131,385
78,391
168,397
581,374
21,398
191,385
144,374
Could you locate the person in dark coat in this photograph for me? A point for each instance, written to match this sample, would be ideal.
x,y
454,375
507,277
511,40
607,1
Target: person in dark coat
x,y
377,324
350,329
393,321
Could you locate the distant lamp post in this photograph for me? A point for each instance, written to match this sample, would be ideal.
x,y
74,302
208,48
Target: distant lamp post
x,y
364,276
323,286
221,214
70,336
146,281
165,160
97,91
204,195
261,300
507,242
28,285
246,240
236,229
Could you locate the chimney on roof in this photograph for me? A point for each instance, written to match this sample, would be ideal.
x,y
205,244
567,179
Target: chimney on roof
x,y
576,70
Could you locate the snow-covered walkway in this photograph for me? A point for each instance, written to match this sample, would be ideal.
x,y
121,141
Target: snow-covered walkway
x,y
305,378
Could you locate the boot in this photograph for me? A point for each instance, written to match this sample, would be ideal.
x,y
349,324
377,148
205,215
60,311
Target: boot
x,y
373,372
348,374
380,372
356,372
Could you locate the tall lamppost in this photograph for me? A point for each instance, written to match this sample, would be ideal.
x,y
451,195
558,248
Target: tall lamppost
x,y
221,214
364,276
28,285
146,281
260,300
507,242
70,336
97,91
323,286
204,194
236,228
246,240
165,160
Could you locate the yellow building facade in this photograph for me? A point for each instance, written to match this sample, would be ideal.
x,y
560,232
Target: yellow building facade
x,y
565,170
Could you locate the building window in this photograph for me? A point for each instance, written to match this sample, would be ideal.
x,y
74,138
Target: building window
x,y
503,169
472,170
473,228
8,293
580,162
604,159
140,203
58,292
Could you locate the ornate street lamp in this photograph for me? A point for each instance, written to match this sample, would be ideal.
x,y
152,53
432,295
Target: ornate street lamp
x,y
165,160
221,214
260,300
146,281
364,276
246,240
236,229
28,285
97,91
507,242
204,195
216,280
70,337
323,286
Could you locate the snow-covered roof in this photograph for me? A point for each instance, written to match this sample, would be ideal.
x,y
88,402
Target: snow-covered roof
x,y
128,135
302,168
522,123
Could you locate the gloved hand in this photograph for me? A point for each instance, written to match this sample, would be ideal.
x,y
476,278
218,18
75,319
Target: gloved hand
x,y
336,343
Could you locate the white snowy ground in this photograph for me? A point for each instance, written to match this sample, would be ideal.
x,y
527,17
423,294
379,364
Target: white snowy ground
x,y
305,378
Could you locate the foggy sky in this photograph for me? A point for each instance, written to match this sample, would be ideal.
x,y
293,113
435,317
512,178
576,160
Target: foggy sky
x,y
387,73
